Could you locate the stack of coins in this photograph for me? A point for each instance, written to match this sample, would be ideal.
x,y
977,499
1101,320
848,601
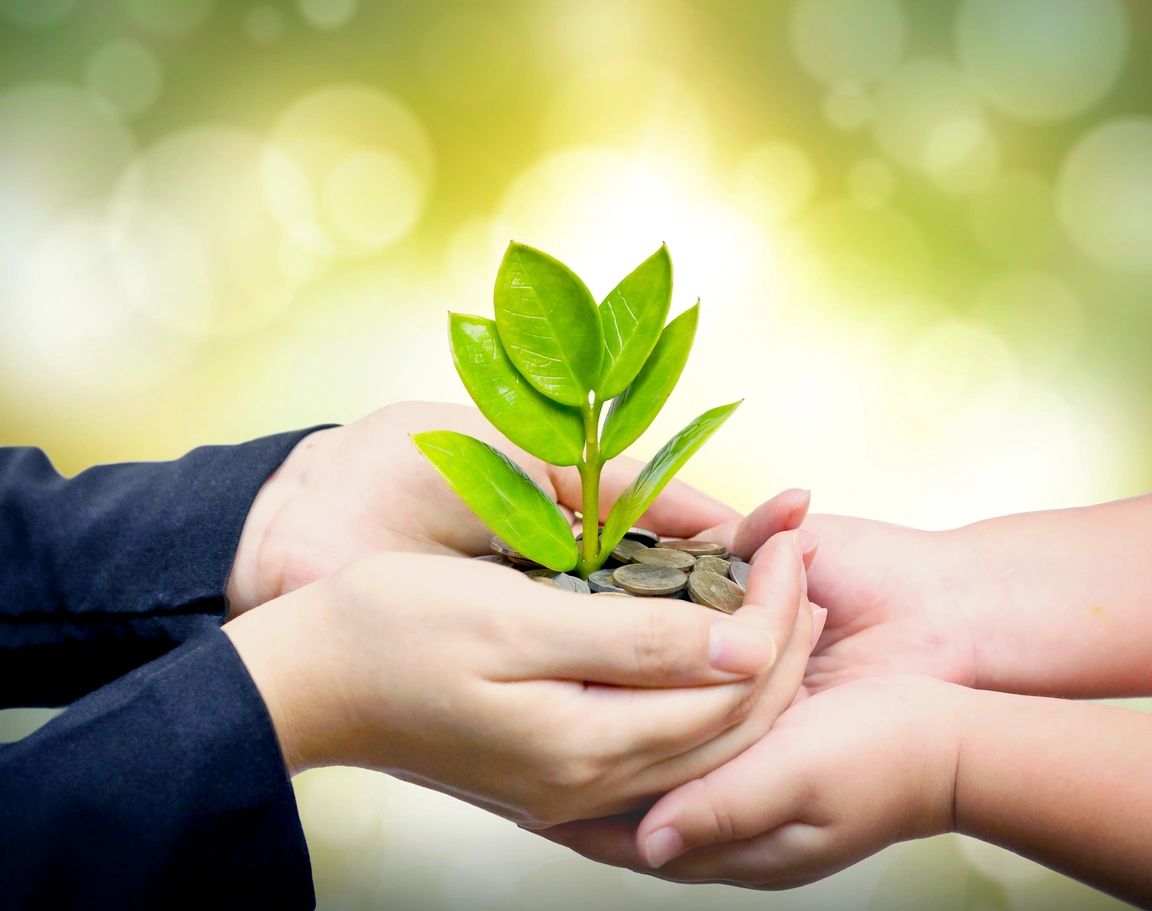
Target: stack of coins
x,y
643,566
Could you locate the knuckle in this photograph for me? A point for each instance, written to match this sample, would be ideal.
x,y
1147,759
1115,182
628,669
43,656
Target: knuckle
x,y
656,645
743,703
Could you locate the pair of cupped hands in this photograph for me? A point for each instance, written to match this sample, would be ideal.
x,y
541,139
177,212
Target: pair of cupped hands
x,y
768,748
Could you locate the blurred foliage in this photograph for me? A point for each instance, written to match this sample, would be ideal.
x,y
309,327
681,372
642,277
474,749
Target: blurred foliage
x,y
922,234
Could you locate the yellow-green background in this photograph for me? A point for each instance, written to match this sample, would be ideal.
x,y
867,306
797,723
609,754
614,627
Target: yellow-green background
x,y
921,232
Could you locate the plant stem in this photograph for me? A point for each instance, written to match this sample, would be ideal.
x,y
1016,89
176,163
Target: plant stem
x,y
590,469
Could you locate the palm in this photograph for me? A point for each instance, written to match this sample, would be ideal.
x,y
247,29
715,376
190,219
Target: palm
x,y
886,589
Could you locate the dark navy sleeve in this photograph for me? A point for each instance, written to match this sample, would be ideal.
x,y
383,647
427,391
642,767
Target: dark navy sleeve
x,y
163,789
105,571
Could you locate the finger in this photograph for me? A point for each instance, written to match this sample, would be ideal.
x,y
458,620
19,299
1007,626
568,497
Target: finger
x,y
754,793
789,856
784,512
644,642
608,840
776,587
679,511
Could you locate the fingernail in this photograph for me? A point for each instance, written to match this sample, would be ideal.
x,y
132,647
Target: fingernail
x,y
807,541
819,618
738,648
662,845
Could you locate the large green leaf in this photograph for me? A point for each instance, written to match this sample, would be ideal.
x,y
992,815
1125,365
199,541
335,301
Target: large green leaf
x,y
503,496
631,318
639,495
535,423
636,408
549,324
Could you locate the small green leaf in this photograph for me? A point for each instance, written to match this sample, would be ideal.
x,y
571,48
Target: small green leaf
x,y
503,496
631,318
636,408
535,423
549,324
658,472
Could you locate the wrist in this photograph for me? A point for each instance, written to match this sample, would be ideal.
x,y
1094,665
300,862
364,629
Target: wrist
x,y
285,650
258,570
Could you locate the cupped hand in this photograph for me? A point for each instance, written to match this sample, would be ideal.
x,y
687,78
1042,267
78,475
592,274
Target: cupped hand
x,y
840,776
541,705
898,599
347,492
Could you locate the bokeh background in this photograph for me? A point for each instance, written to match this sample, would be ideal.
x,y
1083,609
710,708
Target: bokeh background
x,y
921,232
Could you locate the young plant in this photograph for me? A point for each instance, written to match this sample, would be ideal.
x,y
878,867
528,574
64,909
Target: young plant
x,y
542,373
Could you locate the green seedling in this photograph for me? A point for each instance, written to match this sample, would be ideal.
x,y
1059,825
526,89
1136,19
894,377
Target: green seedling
x,y
542,372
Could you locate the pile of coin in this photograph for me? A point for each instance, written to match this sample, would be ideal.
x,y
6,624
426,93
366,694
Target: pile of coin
x,y
642,565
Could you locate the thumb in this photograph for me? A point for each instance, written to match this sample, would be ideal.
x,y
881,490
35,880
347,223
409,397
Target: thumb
x,y
785,511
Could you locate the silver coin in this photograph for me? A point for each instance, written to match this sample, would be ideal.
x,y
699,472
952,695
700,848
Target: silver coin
x,y
738,573
649,580
545,580
623,551
709,564
715,591
697,548
574,584
643,535
602,581
499,546
619,594
657,556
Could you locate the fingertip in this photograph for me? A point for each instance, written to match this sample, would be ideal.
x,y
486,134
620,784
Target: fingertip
x,y
739,648
662,846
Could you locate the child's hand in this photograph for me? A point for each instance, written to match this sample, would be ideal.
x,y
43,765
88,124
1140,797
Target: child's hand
x,y
840,776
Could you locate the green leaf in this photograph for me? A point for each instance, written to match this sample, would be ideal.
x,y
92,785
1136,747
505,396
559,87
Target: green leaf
x,y
552,432
631,318
549,324
658,472
503,496
633,411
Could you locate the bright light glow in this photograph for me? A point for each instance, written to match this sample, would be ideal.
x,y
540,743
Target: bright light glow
x,y
1105,194
372,198
1042,60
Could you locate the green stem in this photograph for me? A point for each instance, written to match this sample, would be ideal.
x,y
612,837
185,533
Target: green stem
x,y
590,469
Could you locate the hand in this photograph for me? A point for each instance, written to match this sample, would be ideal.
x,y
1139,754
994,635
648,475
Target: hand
x,y
839,776
347,492
898,599
541,705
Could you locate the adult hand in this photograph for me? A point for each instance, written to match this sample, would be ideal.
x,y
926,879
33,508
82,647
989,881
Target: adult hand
x,y
541,705
347,492
840,776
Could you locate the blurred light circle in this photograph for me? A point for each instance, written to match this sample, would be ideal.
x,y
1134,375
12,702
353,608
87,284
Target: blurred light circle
x,y
36,13
1042,60
467,57
1105,194
197,247
327,14
775,180
848,39
264,24
959,375
60,148
871,182
68,335
126,74
373,198
322,144
169,17
1014,218
1036,312
847,106
928,120
629,103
